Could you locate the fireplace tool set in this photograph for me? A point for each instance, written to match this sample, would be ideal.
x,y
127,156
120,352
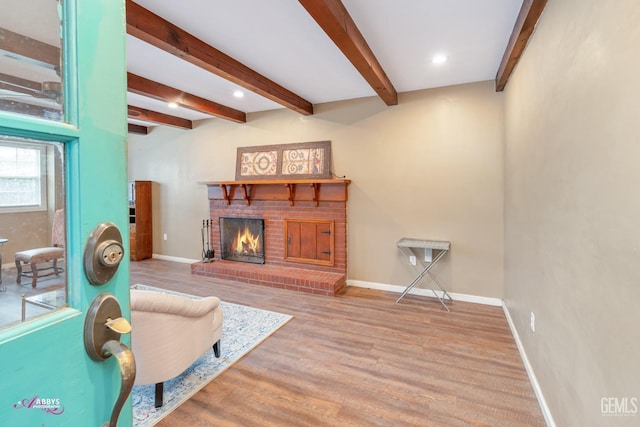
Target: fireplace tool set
x,y
207,251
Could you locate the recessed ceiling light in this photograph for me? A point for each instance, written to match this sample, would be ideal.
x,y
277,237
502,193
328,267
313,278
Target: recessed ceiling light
x,y
172,105
238,94
439,59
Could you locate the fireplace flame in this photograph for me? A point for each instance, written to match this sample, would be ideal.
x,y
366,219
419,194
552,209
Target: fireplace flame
x,y
246,243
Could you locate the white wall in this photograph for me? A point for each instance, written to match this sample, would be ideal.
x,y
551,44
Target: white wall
x,y
430,167
572,132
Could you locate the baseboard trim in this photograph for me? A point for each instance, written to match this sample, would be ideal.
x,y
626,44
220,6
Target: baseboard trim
x,y
546,412
497,302
175,259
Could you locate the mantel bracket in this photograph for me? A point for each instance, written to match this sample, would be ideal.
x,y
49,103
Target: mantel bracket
x,y
225,194
246,194
314,193
291,188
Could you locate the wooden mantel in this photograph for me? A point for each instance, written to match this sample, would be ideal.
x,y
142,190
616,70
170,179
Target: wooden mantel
x,y
316,190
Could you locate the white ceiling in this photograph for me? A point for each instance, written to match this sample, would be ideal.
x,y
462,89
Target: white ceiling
x,y
280,40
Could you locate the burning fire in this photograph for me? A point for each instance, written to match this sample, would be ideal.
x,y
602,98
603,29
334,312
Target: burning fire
x,y
246,243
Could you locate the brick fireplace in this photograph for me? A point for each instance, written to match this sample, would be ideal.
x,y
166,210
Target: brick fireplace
x,y
305,233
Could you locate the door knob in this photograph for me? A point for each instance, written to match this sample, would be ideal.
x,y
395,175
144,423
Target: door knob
x,y
102,329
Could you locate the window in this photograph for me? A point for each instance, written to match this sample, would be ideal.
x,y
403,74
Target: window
x,y
22,177
32,203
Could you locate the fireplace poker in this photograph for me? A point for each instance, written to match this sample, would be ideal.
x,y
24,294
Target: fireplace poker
x,y
209,254
204,254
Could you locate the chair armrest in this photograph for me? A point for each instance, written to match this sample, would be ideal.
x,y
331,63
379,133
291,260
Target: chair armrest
x,y
157,302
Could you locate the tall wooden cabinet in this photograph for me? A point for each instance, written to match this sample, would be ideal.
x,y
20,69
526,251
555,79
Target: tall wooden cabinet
x,y
140,224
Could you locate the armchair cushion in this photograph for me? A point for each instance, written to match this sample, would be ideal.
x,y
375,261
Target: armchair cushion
x,y
39,254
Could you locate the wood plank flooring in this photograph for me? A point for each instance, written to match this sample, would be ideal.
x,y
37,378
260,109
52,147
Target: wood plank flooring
x,y
359,359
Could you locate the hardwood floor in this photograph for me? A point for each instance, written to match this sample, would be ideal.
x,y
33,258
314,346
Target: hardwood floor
x,y
359,359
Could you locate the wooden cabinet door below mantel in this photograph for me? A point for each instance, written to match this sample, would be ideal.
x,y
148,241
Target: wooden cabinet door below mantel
x,y
309,241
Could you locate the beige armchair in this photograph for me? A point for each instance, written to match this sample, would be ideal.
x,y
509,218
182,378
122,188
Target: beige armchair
x,y
169,333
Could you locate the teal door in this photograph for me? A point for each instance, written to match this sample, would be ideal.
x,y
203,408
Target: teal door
x,y
46,376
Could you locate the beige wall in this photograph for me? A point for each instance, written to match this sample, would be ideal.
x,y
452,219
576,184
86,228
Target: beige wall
x,y
25,230
430,167
572,137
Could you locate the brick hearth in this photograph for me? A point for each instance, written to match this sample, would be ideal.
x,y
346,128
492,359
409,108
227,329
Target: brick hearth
x,y
295,279
274,202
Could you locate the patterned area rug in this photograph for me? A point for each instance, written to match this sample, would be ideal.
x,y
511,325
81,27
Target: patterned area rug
x,y
243,328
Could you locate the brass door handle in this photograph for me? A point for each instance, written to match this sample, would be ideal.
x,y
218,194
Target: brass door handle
x,y
102,329
127,365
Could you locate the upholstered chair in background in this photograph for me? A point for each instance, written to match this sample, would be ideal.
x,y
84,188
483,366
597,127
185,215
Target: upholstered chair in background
x,y
169,333
39,258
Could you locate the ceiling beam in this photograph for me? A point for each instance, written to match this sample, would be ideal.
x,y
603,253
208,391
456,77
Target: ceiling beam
x,y
24,83
146,87
139,129
525,24
149,27
20,89
19,46
335,20
47,90
155,117
24,48
133,112
20,85
29,109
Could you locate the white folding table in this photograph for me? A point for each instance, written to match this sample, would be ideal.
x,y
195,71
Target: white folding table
x,y
423,251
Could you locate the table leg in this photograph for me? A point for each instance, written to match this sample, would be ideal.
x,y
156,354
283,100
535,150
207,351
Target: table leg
x,y
422,274
34,272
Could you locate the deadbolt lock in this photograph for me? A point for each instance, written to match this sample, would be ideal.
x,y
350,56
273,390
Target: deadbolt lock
x,y
109,253
103,253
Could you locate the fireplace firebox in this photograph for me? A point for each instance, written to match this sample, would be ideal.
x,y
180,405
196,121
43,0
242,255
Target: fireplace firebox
x,y
242,239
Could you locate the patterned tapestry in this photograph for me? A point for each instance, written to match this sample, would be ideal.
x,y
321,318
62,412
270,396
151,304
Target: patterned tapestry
x,y
259,163
300,161
309,161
